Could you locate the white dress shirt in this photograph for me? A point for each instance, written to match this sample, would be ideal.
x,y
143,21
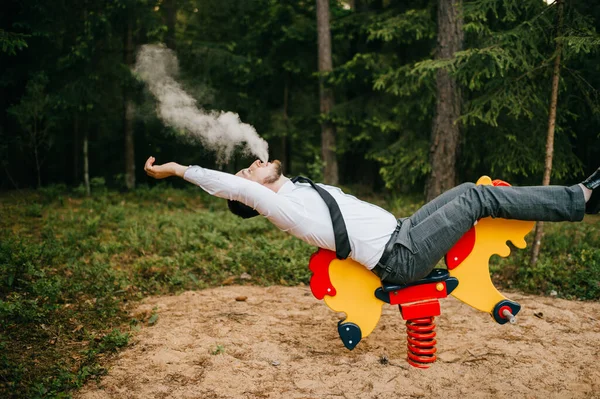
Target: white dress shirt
x,y
299,210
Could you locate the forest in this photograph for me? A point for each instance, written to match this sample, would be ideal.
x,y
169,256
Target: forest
x,y
73,109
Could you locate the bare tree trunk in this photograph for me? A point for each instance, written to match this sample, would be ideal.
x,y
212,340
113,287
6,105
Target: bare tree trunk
x,y
76,149
171,8
37,167
285,139
128,113
86,168
539,227
15,185
34,144
330,172
445,133
5,165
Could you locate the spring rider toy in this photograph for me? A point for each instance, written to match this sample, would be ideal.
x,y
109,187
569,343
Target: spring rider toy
x,y
346,286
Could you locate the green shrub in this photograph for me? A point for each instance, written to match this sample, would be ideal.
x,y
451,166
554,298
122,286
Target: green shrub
x,y
33,210
113,341
98,185
569,263
51,193
80,190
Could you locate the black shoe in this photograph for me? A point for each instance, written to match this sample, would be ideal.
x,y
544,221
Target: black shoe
x,y
593,181
592,207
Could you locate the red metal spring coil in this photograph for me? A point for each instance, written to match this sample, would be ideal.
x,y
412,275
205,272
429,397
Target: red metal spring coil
x,y
421,342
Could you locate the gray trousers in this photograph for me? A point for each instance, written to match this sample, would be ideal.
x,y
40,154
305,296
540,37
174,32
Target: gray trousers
x,y
421,240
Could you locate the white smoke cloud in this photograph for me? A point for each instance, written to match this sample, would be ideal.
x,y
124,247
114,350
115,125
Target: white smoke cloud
x,y
218,131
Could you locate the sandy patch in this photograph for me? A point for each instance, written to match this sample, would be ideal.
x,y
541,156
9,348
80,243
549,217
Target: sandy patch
x,y
282,343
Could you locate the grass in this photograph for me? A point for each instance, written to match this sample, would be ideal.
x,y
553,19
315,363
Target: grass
x,y
71,266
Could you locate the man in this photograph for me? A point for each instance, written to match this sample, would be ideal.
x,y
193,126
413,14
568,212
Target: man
x,y
398,251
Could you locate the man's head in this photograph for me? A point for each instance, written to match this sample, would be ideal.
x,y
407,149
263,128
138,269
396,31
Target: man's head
x,y
266,173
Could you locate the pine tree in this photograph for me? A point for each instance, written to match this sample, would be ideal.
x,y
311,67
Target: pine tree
x,y
445,133
330,169
504,71
535,249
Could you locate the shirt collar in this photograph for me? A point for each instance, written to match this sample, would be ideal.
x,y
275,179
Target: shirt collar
x,y
287,187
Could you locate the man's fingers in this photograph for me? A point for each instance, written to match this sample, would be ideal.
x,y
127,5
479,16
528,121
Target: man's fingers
x,y
148,165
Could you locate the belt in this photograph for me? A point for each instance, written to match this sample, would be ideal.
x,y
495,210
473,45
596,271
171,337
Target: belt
x,y
382,267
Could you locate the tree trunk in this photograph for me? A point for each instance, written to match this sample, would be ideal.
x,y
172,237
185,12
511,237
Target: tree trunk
x,y
86,169
34,144
5,164
171,9
128,113
539,227
445,132
330,172
75,150
286,159
37,167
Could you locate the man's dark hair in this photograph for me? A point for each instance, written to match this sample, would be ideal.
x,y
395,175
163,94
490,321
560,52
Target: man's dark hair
x,y
242,210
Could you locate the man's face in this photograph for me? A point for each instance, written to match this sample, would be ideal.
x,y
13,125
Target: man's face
x,y
261,172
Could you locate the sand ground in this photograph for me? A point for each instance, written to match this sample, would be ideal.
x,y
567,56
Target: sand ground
x,y
281,342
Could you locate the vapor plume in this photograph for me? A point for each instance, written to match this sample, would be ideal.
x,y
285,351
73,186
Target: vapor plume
x,y
218,131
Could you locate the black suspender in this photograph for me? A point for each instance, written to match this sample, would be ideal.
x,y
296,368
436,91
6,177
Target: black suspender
x,y
342,243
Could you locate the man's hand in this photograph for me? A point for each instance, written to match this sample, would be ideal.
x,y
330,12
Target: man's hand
x,y
162,171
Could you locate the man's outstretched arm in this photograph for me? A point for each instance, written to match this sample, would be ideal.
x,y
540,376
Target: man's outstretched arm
x,y
163,171
278,209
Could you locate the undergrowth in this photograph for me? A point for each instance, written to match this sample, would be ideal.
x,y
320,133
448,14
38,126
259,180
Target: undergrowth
x,y
568,265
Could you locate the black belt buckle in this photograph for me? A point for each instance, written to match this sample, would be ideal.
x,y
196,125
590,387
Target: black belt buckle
x,y
388,269
380,270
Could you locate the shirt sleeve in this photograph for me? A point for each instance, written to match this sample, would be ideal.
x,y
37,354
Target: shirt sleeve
x,y
281,211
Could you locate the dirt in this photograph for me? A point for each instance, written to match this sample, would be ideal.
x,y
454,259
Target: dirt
x,y
281,342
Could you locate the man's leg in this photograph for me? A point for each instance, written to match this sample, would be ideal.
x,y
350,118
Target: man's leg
x,y
438,202
433,237
400,254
